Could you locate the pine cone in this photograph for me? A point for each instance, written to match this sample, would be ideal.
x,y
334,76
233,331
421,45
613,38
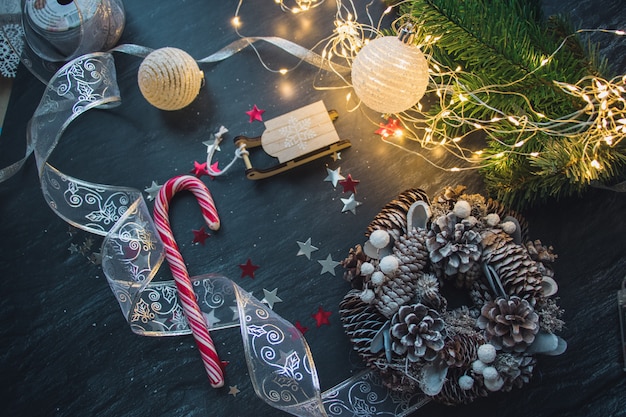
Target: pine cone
x,y
427,292
540,253
399,288
461,350
417,332
392,217
515,369
352,265
518,273
509,324
452,394
454,246
494,206
361,323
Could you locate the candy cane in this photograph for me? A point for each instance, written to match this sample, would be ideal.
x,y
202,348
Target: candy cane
x,y
192,311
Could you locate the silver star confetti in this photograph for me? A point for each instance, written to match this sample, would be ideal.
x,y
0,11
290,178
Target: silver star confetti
x,y
153,190
336,156
334,176
306,248
209,144
73,248
350,204
328,265
233,390
270,297
211,319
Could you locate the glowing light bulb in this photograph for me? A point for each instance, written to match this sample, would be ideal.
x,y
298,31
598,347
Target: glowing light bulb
x,y
236,21
596,164
283,71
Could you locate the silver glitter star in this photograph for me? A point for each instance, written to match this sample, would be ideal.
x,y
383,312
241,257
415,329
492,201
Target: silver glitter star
x,y
350,204
209,143
334,176
336,156
153,190
306,248
270,298
210,318
328,265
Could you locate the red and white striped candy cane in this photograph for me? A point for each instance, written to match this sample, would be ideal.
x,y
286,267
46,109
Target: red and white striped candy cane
x,y
192,311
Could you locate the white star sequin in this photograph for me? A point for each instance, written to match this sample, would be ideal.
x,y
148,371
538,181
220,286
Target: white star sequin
x,y
306,248
153,190
350,204
270,297
328,265
334,176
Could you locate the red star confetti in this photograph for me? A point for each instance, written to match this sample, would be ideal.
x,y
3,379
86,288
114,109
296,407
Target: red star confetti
x,y
321,317
392,127
302,329
349,184
213,170
199,169
255,114
247,269
199,236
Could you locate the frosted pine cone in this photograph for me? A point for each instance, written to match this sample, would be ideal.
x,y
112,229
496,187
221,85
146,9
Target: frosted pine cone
x,y
427,292
509,324
515,369
398,287
518,273
392,217
417,332
461,350
454,246
452,394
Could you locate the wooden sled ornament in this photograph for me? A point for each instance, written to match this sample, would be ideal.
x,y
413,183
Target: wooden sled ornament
x,y
295,138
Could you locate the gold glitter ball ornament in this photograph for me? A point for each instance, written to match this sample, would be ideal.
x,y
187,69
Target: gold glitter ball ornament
x,y
169,78
389,75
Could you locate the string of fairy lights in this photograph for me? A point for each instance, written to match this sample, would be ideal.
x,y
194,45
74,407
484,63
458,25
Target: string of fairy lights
x,y
600,122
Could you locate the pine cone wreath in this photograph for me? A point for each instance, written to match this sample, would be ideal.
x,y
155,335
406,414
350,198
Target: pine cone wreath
x,y
509,324
417,332
398,318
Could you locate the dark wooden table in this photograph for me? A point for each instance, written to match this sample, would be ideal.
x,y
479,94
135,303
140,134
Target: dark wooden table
x,y
67,350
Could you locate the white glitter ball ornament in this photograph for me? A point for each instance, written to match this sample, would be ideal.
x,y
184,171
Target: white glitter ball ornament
x,y
486,353
169,78
466,382
379,238
367,268
389,264
389,75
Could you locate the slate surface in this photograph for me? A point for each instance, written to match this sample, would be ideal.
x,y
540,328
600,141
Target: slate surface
x,y
66,349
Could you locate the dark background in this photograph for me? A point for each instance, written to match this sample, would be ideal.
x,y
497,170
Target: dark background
x,y
65,348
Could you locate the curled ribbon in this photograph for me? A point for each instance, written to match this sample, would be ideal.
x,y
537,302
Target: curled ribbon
x,y
133,252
